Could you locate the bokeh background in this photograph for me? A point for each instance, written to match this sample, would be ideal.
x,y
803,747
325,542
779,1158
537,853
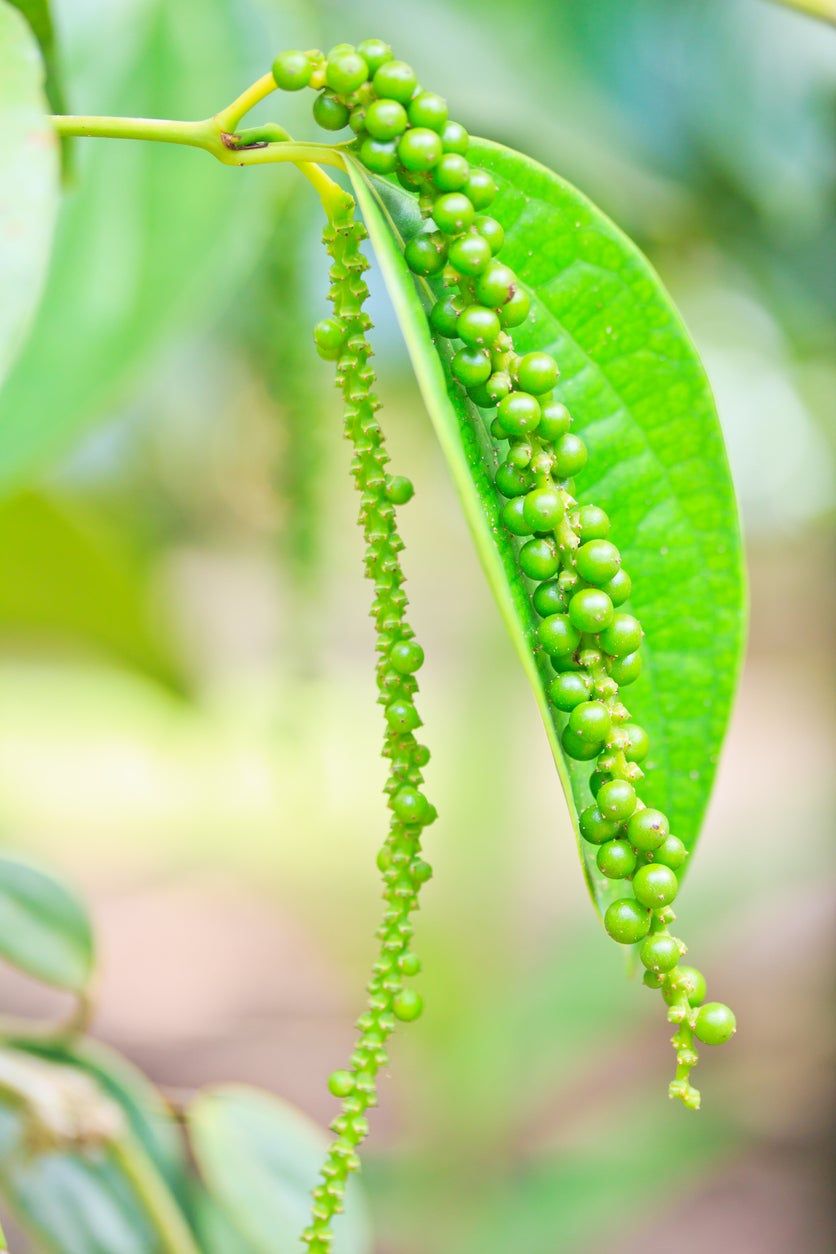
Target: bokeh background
x,y
188,726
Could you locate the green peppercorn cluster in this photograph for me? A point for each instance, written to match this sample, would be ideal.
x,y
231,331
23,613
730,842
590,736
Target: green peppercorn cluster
x,y
586,641
343,338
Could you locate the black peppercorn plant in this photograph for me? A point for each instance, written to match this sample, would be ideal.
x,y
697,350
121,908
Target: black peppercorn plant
x,y
581,435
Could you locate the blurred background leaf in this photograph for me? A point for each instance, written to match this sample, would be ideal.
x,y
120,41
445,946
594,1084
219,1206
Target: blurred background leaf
x,y
44,928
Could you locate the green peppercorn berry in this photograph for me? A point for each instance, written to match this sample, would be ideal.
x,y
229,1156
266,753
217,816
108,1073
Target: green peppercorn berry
x,y
715,1023
638,742
341,1083
570,455
292,70
402,716
470,254
570,690
329,112
671,853
543,506
518,413
590,610
408,804
511,480
616,859
498,385
471,366
329,337
625,670
426,254
428,109
513,517
595,828
626,921
597,561
406,656
481,396
647,829
338,50
395,80
651,979
516,309
481,188
537,373
399,489
407,1004
592,523
655,886
419,149
409,964
687,980
617,800
597,780
591,721
451,173
386,119
491,230
554,422
357,119
444,317
576,747
346,72
539,558
478,326
453,213
497,285
379,155
660,952
455,138
618,589
374,52
549,598
623,636
558,634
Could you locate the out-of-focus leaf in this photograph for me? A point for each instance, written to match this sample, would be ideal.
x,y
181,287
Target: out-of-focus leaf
x,y
657,465
216,1233
153,235
259,1159
28,182
66,574
44,928
38,14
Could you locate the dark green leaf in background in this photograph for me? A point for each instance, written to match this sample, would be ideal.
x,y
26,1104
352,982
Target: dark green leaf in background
x,y
640,398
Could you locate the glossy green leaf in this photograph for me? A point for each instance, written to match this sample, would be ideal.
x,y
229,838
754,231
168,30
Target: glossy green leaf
x,y
151,237
67,574
259,1159
28,179
44,927
657,464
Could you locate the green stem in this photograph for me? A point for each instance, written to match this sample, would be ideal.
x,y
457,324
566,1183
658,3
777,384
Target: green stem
x,y
168,1222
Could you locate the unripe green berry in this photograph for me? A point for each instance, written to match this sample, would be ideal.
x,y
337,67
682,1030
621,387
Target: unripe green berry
x,y
454,213
496,285
498,385
685,980
329,112
451,173
481,188
543,508
419,149
554,422
409,964
558,634
591,610
655,886
569,690
386,119
408,804
576,747
549,598
395,80
671,853
570,455
492,231
470,255
341,1083
406,656
471,366
478,326
617,800
518,413
591,721
619,587
647,829
379,155
595,827
616,859
345,73
427,253
399,489
402,716
455,138
715,1023
597,561
429,110
537,373
592,523
625,670
375,53
660,952
622,636
511,481
626,921
292,70
329,337
539,558
444,316
638,742
516,309
407,1004
513,517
